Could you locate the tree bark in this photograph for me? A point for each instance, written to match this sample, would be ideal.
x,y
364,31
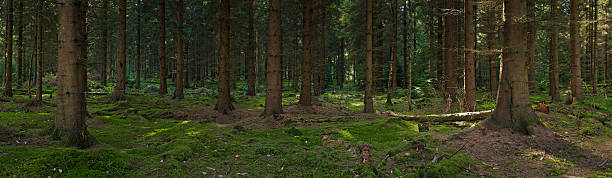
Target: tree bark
x,y
554,53
440,49
138,45
323,57
531,32
595,61
70,125
316,81
469,84
368,102
513,109
432,42
273,72
408,77
305,93
163,71
178,93
39,60
575,78
104,45
119,92
224,103
449,53
391,83
251,52
493,56
21,50
8,63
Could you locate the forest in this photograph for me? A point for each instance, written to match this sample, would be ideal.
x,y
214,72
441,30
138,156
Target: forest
x,y
305,88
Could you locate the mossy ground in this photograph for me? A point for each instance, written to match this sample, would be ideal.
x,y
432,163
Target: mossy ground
x,y
139,138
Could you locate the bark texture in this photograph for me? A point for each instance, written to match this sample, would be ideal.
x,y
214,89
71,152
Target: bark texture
x,y
575,76
305,93
224,101
119,92
163,71
179,52
251,52
273,72
450,21
8,60
554,53
368,102
469,83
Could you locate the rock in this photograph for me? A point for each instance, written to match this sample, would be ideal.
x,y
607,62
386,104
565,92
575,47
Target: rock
x,y
200,90
151,88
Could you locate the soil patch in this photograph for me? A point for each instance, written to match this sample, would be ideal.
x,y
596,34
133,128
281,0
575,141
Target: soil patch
x,y
505,153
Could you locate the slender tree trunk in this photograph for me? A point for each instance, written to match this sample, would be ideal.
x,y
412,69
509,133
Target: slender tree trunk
x,y
316,36
273,72
178,93
138,45
70,124
305,93
379,52
251,51
224,102
595,61
554,53
163,70
393,61
323,19
21,50
39,59
368,102
8,68
119,92
513,109
341,66
104,48
440,49
469,83
493,65
531,31
432,42
575,79
449,54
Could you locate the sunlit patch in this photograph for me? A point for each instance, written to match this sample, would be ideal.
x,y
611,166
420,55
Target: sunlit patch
x,y
157,131
346,134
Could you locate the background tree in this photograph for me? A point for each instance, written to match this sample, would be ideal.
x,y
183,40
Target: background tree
x,y
531,33
251,51
368,103
305,93
178,93
119,92
8,60
575,79
469,84
554,53
392,82
449,52
138,45
21,50
163,71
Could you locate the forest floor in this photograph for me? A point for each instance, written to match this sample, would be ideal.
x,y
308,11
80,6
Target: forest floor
x,y
157,136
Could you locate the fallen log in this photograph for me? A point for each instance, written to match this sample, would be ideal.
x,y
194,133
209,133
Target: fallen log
x,y
464,116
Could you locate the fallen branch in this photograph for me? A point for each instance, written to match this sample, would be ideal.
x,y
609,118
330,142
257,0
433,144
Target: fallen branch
x,y
464,116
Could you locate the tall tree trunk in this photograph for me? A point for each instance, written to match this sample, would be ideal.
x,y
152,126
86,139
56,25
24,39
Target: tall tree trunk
x,y
469,83
104,48
440,48
513,109
316,36
8,65
39,61
21,50
251,51
224,101
379,53
163,70
323,57
531,32
367,101
575,79
432,42
305,93
119,92
341,66
449,53
178,93
491,38
138,47
595,61
70,124
273,72
391,83
554,53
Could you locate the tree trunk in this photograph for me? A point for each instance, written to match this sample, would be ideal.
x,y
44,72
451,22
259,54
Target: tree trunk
x,y
493,65
594,62
305,93
316,81
138,47
163,71
224,102
273,72
391,83
323,57
70,125
575,79
251,52
119,92
178,93
21,50
367,101
554,53
449,54
8,65
531,32
513,109
432,43
39,61
440,49
469,83
104,48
